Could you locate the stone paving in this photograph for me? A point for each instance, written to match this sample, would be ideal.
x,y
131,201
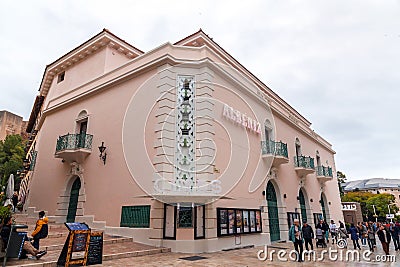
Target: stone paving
x,y
124,252
237,258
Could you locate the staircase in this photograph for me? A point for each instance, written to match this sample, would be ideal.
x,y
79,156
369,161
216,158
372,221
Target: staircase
x,y
114,247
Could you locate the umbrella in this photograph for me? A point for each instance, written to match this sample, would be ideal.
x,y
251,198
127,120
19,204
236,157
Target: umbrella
x,y
9,190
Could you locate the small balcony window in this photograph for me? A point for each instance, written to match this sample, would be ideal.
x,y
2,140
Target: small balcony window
x,y
61,77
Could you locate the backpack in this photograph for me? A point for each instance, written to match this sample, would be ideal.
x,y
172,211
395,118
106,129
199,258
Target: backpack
x,y
44,231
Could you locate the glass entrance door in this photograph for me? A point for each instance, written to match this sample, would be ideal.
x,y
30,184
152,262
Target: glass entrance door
x,y
169,231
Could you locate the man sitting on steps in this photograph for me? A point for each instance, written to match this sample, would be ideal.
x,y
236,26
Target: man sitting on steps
x,y
28,247
41,230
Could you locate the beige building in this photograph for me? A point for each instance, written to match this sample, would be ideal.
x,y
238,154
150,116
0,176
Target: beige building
x,y
11,123
180,146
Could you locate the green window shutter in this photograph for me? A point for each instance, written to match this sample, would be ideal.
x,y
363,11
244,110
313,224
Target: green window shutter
x,y
135,216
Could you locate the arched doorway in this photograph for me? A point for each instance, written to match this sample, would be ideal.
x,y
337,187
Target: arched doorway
x,y
273,213
73,200
324,207
303,208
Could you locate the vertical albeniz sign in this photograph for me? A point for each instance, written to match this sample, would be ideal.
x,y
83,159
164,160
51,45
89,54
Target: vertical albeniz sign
x,y
75,250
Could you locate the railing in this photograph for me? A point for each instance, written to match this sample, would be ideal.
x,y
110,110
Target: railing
x,y
304,162
324,171
74,141
274,148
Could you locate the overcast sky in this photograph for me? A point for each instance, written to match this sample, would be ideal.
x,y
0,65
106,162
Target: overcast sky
x,y
336,62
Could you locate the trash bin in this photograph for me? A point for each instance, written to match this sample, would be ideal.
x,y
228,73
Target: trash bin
x,y
16,240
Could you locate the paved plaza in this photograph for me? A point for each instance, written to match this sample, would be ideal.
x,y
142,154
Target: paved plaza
x,y
235,258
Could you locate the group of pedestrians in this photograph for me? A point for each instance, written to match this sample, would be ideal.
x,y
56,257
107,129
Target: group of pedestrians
x,y
364,231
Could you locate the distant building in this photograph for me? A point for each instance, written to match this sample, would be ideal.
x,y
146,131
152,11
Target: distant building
x,y
11,123
376,186
352,212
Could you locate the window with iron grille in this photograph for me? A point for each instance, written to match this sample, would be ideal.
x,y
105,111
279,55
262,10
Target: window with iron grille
x,y
135,216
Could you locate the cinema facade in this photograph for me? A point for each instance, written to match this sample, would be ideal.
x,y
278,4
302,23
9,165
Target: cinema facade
x,y
180,147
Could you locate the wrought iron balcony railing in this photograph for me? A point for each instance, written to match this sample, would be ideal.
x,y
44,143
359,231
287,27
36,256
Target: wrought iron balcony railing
x,y
304,162
274,148
324,171
74,142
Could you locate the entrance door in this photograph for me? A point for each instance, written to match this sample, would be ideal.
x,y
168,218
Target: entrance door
x,y
73,200
323,208
169,231
199,221
273,213
302,206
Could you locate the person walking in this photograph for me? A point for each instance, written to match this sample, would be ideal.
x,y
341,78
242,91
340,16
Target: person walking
x,y
296,236
354,236
333,231
384,237
394,231
370,236
15,200
324,227
41,229
308,235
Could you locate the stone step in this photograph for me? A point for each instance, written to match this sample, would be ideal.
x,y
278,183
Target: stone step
x,y
111,251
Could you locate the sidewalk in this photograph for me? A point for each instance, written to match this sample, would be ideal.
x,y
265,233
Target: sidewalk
x,y
243,257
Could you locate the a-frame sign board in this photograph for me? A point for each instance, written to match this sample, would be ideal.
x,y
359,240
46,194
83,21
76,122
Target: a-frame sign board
x,y
75,250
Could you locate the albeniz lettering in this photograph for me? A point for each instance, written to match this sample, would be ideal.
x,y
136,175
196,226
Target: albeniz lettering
x,y
241,119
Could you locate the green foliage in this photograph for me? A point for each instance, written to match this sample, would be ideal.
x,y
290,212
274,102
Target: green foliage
x,y
11,157
381,202
4,213
341,177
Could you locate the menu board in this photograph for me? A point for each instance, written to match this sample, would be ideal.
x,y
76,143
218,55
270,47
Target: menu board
x,y
77,226
76,246
95,253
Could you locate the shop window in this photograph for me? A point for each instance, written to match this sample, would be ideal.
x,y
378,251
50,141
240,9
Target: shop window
x,y
238,221
135,216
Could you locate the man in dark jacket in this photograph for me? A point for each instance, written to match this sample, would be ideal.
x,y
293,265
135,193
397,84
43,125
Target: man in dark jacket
x,y
384,237
308,235
323,226
394,231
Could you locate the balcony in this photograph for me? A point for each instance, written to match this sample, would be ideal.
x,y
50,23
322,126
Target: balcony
x,y
74,147
324,173
303,165
275,150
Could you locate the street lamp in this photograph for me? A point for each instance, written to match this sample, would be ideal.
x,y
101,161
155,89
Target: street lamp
x,y
376,216
391,220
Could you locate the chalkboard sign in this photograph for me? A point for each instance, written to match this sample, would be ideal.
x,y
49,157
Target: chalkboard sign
x,y
95,254
76,246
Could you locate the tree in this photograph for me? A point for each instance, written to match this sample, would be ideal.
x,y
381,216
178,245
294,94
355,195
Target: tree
x,y
341,177
381,202
368,200
11,157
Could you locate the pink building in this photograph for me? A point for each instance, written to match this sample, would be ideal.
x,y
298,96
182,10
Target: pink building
x,y
180,146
